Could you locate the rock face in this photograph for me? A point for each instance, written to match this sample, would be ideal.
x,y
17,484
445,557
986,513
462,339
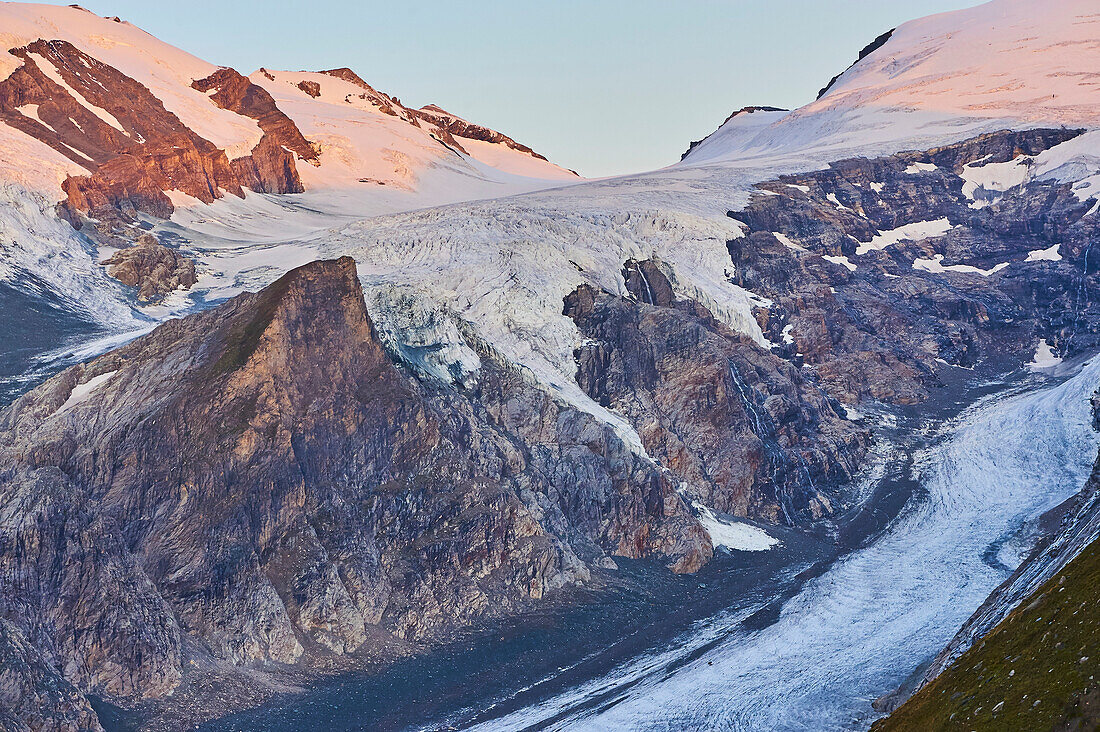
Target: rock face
x,y
134,152
745,430
879,268
271,167
264,482
33,696
134,148
152,268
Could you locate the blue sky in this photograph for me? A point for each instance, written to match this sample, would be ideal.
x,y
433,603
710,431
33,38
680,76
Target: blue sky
x,y
603,86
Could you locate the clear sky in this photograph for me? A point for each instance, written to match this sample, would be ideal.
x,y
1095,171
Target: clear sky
x,y
600,86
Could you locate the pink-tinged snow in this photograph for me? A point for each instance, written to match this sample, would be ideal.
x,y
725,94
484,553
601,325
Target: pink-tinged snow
x,y
165,70
513,162
363,148
1006,63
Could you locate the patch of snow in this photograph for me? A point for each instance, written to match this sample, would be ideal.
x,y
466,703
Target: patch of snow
x,y
787,242
918,231
786,334
836,202
81,392
851,413
916,168
1049,254
935,265
804,189
735,535
1044,357
877,187
982,183
31,110
839,259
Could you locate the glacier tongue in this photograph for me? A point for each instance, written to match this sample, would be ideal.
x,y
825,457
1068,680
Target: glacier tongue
x,y
860,629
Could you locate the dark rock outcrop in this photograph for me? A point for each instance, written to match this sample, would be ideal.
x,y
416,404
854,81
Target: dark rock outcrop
x,y
262,483
744,429
873,324
311,88
152,268
864,52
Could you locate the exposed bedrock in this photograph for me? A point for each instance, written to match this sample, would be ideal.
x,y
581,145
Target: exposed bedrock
x,y
263,479
151,268
879,268
132,147
745,430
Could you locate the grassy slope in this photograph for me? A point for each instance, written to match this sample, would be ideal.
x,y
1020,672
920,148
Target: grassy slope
x,y
1039,669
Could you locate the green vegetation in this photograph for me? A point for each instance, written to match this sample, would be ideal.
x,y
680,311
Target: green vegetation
x,y
1039,669
244,337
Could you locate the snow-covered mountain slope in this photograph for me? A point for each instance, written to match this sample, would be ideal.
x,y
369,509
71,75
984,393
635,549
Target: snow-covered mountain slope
x,y
124,131
1005,63
99,89
387,157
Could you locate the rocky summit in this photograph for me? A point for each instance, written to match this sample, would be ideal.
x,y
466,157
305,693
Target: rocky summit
x,y
261,482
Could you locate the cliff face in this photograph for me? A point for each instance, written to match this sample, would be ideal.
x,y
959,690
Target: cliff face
x,y
271,166
264,480
133,147
749,433
879,268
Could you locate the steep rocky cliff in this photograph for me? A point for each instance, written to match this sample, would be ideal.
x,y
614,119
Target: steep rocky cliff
x,y
746,431
264,480
879,268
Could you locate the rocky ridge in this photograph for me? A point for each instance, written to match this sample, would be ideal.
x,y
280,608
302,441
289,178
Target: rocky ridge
x,y
261,483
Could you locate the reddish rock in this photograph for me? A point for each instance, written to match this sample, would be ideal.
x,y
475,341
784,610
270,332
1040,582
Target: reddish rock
x,y
271,166
311,88
130,168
